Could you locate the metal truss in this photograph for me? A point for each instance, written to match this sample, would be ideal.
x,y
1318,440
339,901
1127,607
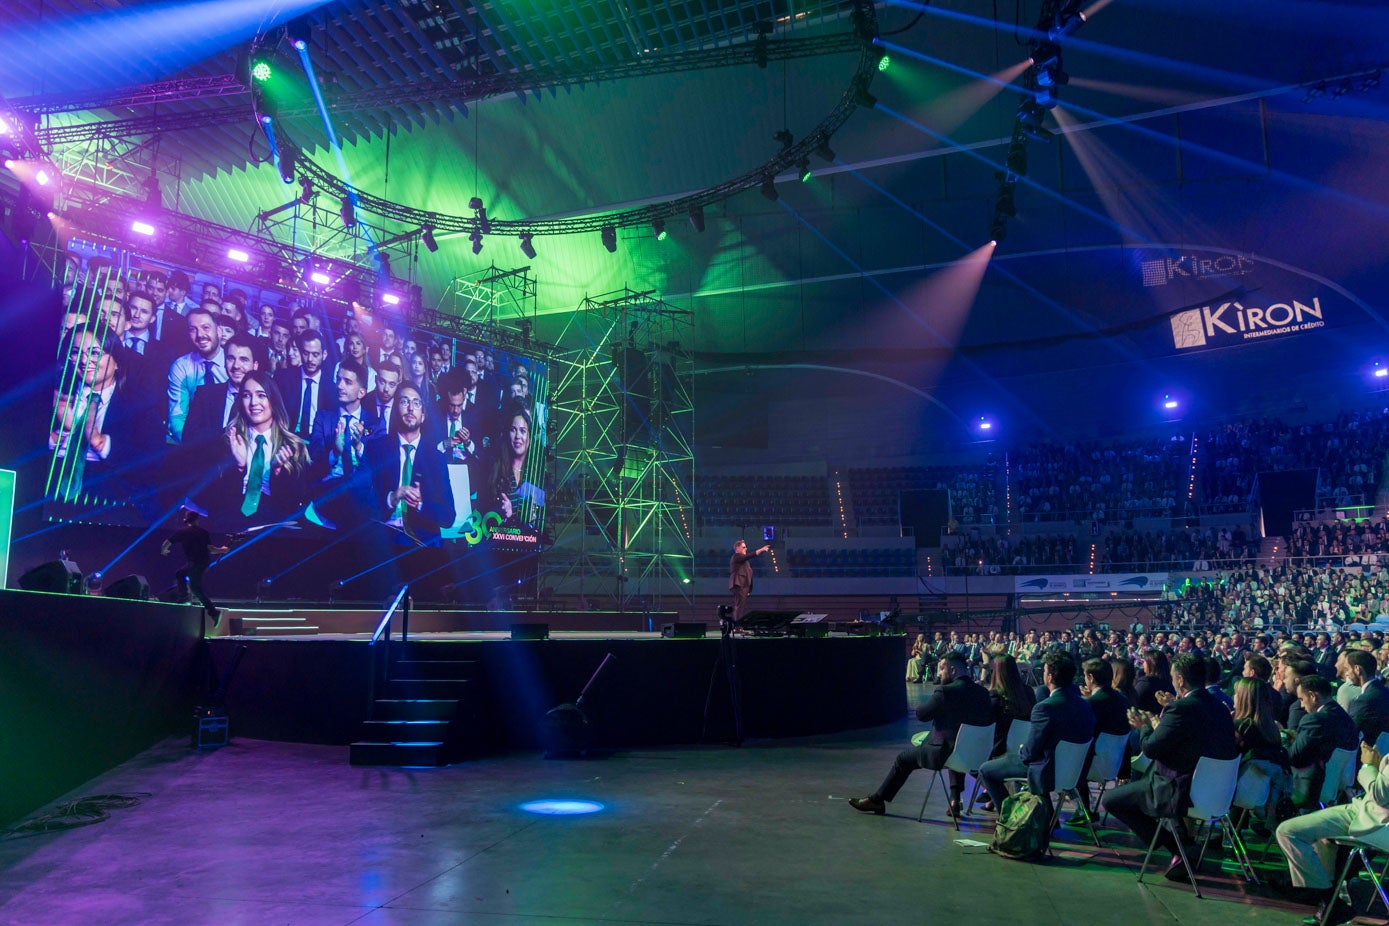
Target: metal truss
x,y
310,228
622,416
100,169
492,295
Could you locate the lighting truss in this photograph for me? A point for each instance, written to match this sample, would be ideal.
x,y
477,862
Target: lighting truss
x,y
623,414
492,295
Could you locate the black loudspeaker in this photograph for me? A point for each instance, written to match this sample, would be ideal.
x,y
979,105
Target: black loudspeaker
x,y
61,575
132,587
530,631
683,631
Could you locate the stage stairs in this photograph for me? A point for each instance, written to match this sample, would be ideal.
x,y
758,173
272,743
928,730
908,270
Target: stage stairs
x,y
425,709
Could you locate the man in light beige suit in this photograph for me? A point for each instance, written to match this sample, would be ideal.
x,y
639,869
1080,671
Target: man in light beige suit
x,y
1305,839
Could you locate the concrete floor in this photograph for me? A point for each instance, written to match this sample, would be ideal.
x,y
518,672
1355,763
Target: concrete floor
x,y
265,833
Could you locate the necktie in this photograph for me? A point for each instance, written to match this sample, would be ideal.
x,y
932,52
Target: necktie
x,y
348,453
251,502
135,344
407,470
77,448
306,409
207,373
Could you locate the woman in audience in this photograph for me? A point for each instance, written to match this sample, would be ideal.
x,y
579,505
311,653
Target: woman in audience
x,y
916,667
1123,678
1010,697
1256,732
1157,677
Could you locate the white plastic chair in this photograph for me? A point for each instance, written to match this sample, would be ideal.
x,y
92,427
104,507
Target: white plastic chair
x,y
1212,792
1104,768
1360,847
1018,732
1339,775
1067,764
972,747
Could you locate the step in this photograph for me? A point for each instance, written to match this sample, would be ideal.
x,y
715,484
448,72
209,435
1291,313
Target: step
x,y
434,669
405,731
426,688
414,709
398,754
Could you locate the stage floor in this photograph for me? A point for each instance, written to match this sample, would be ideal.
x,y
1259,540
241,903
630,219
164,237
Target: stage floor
x,y
701,835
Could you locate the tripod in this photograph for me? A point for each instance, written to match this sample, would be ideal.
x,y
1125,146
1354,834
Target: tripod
x,y
728,660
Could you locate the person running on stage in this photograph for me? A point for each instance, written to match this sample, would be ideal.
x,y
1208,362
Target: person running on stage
x,y
197,550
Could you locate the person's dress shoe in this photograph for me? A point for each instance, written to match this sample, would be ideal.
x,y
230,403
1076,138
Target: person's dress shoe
x,y
956,809
1177,871
1341,912
868,804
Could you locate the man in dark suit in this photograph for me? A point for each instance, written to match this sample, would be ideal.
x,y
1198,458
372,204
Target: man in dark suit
x,y
306,389
1064,716
1193,726
1370,709
1294,670
338,449
1111,716
409,478
740,576
958,700
211,409
1325,727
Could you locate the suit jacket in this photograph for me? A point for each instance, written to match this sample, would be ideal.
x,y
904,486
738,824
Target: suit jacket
x,y
1111,711
203,427
740,571
1145,689
1065,716
1318,734
223,497
1191,727
135,431
1370,710
960,701
323,441
428,469
289,383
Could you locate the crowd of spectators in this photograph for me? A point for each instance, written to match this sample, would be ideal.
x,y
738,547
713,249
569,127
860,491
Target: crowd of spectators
x,y
1289,594
1125,550
1099,482
1333,544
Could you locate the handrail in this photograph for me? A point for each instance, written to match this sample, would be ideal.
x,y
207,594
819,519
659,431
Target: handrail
x,y
384,627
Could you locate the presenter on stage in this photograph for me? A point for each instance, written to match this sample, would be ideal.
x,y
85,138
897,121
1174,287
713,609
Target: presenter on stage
x,y
740,576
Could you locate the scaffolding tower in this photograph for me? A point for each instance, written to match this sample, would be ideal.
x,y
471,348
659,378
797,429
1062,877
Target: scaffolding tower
x,y
623,420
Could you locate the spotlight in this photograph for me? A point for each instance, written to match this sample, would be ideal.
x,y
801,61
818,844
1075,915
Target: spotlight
x,y
41,177
321,278
785,137
803,166
349,217
825,152
5,127
884,61
609,233
1068,19
1045,96
475,203
1168,402
1052,77
1046,55
1017,158
484,224
697,217
261,71
999,230
769,188
427,236
476,239
286,164
1004,204
985,424
299,30
238,255
305,190
527,248
142,228
390,299
1030,116
1381,371
658,228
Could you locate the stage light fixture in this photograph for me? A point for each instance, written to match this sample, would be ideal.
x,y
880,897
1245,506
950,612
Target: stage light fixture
x,y
1052,77
658,228
1046,55
321,278
999,230
527,248
1045,96
609,233
5,127
1381,371
390,299
299,30
825,152
427,236
769,188
884,61
286,164
1030,116
803,166
985,424
349,216
1068,19
41,177
785,137
1017,158
475,203
141,228
238,255
305,190
1003,204
1168,402
476,239
261,71
697,217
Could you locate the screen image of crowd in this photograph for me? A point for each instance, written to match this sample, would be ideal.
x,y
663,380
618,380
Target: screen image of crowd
x,y
260,409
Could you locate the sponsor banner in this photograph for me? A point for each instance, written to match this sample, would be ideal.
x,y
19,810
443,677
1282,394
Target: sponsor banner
x,y
1223,324
1113,582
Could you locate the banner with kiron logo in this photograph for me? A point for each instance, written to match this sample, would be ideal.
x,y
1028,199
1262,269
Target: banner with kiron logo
x,y
1129,582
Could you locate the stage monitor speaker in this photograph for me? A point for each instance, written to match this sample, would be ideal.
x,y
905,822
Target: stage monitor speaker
x,y
61,575
690,630
530,631
132,587
767,623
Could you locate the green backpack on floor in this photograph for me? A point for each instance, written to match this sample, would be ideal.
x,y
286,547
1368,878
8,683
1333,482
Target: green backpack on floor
x,y
1021,832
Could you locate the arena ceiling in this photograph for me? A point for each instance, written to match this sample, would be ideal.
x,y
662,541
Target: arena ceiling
x,y
1185,124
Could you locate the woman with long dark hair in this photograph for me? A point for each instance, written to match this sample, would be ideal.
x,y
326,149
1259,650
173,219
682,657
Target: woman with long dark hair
x,y
264,480
514,495
1010,697
1157,677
